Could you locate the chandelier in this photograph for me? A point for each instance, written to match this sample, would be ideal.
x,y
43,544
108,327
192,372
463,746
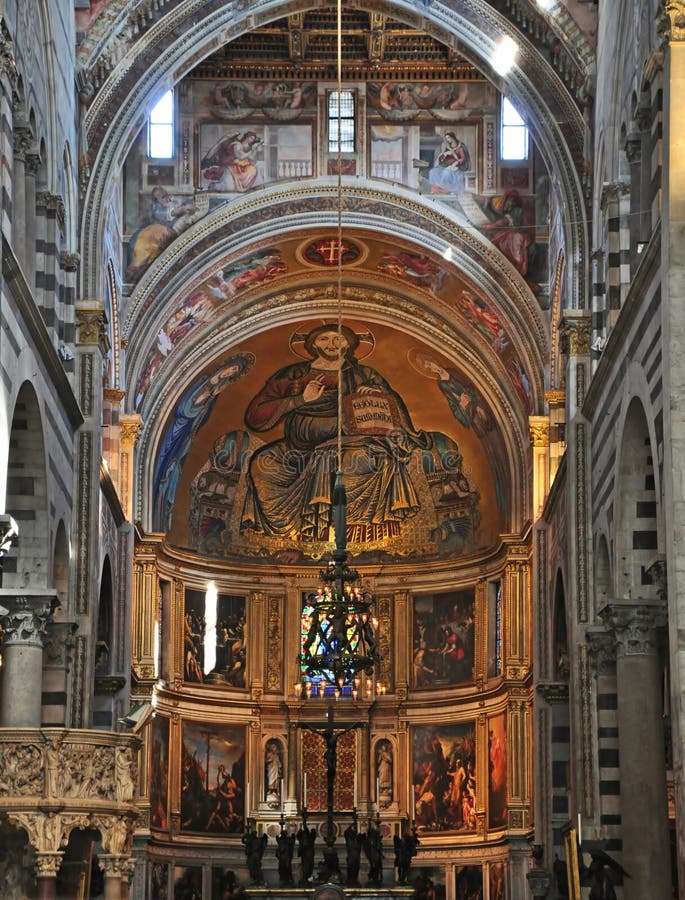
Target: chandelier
x,y
339,652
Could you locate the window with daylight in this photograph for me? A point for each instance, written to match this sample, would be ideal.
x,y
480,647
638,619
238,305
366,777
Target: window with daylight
x,y
341,121
514,133
160,132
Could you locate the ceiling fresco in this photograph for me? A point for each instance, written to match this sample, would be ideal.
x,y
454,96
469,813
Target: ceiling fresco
x,y
246,458
371,262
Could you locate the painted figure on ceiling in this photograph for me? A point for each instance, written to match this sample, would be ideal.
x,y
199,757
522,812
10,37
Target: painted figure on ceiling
x,y
451,161
230,164
289,479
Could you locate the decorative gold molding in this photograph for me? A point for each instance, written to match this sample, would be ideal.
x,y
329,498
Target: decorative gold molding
x,y
114,395
556,397
130,425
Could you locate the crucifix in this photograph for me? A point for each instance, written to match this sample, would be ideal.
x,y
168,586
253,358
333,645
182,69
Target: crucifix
x,y
331,735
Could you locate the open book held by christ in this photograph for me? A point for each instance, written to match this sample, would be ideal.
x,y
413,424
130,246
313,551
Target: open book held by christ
x,y
371,413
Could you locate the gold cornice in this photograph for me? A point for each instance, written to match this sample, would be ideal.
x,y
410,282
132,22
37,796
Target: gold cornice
x,y
555,397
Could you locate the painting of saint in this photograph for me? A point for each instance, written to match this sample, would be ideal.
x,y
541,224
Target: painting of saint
x,y
222,662
231,164
496,877
187,882
443,639
417,268
452,160
289,479
465,403
497,776
169,215
509,228
190,414
444,778
213,778
428,882
159,777
468,883
159,881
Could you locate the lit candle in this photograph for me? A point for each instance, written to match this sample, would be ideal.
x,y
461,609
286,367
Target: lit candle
x,y
580,831
304,791
247,798
378,795
355,790
413,803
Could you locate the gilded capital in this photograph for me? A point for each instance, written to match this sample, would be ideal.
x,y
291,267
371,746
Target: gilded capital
x,y
673,20
576,332
539,430
130,426
114,395
91,321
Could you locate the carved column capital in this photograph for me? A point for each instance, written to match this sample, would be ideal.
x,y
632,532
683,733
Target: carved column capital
x,y
602,650
115,866
8,65
33,162
130,426
612,191
538,427
24,617
637,627
576,332
22,141
48,863
553,691
91,324
114,395
69,262
672,22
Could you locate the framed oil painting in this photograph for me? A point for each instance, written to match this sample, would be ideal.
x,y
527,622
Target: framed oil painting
x,y
159,773
428,882
187,882
497,882
443,639
468,883
235,157
159,881
212,778
497,776
214,639
444,778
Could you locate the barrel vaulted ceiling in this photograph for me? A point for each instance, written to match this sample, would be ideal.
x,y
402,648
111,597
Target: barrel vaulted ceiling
x,y
131,52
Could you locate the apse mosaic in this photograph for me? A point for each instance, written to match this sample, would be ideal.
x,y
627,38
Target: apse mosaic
x,y
213,778
443,639
245,464
444,778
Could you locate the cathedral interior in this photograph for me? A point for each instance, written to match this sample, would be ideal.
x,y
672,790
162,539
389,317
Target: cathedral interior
x,y
375,300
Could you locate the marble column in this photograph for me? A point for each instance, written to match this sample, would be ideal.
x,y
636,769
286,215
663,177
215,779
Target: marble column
x,y
47,867
637,629
24,619
21,145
